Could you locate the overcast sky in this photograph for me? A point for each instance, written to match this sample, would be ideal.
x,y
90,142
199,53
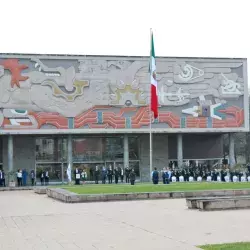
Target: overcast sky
x,y
213,28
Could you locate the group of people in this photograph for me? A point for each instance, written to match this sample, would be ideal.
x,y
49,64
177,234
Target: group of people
x,y
106,175
22,176
199,174
44,178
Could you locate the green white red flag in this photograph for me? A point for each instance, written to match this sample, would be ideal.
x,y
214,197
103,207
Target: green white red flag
x,y
154,98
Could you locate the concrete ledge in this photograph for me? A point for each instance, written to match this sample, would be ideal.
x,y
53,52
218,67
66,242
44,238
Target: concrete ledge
x,y
70,197
40,190
224,204
192,200
15,188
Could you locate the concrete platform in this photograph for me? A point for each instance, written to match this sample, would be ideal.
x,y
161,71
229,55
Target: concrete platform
x,y
16,188
193,203
40,190
70,197
224,204
219,203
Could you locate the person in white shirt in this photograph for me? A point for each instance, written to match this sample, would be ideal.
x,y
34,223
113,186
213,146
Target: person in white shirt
x,y
19,177
199,179
181,178
235,178
227,179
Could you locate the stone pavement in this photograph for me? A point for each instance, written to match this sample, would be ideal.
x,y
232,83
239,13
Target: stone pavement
x,y
31,221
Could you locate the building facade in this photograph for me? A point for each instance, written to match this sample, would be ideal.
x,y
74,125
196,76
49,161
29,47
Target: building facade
x,y
93,110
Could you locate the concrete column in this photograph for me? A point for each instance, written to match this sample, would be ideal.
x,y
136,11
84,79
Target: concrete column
x,y
70,151
10,153
126,151
231,150
179,150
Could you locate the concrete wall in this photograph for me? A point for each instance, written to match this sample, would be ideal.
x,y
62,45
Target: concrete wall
x,y
160,154
79,94
24,152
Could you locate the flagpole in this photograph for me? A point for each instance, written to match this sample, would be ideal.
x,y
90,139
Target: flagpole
x,y
150,119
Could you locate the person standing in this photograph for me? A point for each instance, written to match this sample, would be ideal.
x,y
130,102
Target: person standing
x,y
122,174
19,178
127,173
42,178
132,177
24,177
155,176
116,175
104,175
97,174
77,176
46,177
84,176
164,176
1,177
32,176
110,174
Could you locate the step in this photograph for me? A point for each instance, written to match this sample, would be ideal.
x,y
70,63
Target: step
x,y
192,203
224,204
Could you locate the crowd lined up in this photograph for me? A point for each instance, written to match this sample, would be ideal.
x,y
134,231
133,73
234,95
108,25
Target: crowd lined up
x,y
105,175
119,174
200,174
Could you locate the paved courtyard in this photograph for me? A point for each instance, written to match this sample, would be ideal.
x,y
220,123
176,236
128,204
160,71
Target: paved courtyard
x,y
29,221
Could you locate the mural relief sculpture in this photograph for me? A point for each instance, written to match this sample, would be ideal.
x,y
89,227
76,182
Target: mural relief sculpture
x,y
61,92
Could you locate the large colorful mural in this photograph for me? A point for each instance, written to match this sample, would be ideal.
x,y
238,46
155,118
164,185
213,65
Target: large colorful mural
x,y
68,92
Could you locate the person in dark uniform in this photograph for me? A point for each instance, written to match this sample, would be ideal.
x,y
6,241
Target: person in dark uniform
x,y
127,172
104,175
155,176
164,175
91,174
1,177
110,174
121,174
32,176
42,178
116,173
177,175
77,176
96,175
46,177
132,177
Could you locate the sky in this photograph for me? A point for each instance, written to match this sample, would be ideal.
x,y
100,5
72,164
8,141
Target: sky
x,y
195,28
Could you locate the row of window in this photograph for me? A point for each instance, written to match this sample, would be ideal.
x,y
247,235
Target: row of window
x,y
87,149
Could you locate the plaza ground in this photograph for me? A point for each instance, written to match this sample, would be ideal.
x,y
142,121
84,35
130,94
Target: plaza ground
x,y
31,221
147,187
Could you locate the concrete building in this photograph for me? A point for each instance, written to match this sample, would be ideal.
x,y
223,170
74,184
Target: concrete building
x,y
93,110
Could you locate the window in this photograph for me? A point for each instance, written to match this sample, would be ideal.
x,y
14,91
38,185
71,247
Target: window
x,y
51,149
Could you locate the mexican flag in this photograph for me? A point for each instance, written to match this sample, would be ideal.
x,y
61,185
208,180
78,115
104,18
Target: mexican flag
x,y
154,98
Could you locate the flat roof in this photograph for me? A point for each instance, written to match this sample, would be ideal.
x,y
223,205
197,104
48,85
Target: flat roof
x,y
24,55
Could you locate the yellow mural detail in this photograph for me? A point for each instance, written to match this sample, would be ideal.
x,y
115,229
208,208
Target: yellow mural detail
x,y
128,89
58,92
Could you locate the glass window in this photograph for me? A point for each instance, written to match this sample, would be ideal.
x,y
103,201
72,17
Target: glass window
x,y
51,149
136,166
88,149
113,148
133,148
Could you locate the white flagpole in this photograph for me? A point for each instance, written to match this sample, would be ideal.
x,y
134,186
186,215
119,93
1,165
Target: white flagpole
x,y
150,113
